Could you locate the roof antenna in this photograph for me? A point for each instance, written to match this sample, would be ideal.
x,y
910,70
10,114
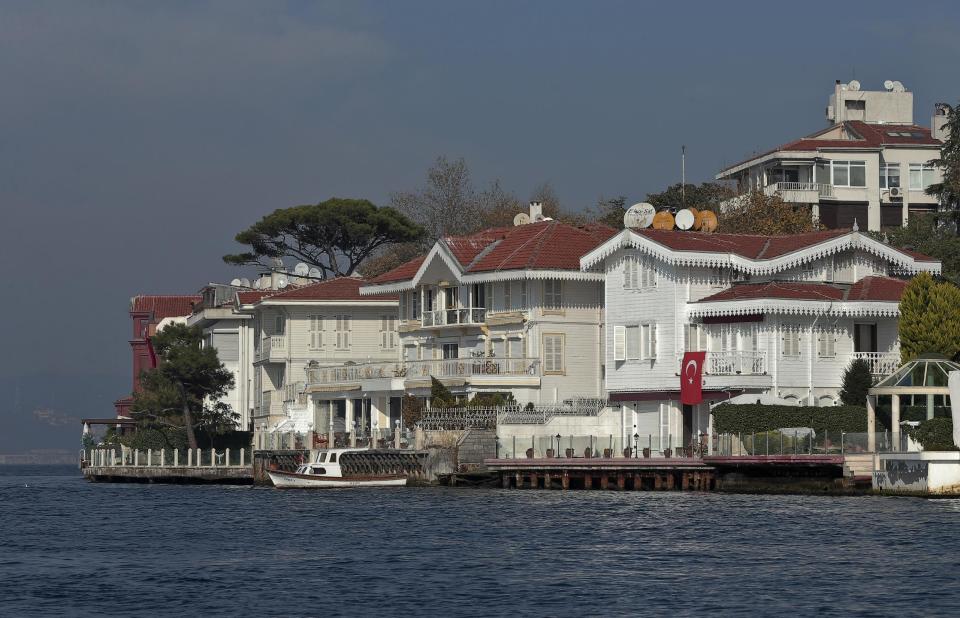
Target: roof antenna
x,y
683,176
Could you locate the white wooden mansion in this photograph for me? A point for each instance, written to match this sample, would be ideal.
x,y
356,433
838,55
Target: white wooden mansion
x,y
780,317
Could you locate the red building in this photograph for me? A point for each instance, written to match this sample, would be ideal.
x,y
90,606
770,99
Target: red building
x,y
146,312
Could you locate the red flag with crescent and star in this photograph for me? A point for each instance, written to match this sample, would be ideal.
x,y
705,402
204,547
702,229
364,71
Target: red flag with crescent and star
x,y
691,378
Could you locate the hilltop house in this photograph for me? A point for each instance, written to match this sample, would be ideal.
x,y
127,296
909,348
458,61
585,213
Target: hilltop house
x,y
780,317
871,165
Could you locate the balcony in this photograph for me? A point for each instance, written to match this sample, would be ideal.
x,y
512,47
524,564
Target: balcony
x,y
881,364
732,363
800,192
453,317
488,370
271,349
294,393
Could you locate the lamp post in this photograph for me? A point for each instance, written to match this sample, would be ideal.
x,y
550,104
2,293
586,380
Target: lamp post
x,y
558,444
496,441
636,443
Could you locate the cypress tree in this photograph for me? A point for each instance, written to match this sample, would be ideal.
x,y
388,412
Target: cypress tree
x,y
440,395
914,333
857,380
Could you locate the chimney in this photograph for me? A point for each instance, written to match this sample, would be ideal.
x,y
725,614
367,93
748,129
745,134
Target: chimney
x,y
536,211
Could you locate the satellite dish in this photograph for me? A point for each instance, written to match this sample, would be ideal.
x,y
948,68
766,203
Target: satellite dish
x,y
854,85
639,216
277,263
315,273
888,84
538,217
521,219
898,86
301,269
282,282
685,219
256,284
236,283
708,221
663,220
245,282
696,218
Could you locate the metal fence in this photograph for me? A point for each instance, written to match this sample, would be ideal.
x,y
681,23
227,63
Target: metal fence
x,y
804,442
608,446
459,418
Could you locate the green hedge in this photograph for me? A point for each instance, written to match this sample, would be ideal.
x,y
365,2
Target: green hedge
x,y
749,418
919,413
934,435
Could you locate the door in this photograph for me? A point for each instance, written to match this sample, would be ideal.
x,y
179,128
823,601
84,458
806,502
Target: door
x,y
864,337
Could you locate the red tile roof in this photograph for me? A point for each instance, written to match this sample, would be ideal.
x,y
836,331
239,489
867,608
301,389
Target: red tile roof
x,y
751,246
251,296
545,245
865,135
341,288
163,306
867,289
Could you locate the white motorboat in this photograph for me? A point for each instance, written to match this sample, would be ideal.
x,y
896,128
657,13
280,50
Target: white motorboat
x,y
327,470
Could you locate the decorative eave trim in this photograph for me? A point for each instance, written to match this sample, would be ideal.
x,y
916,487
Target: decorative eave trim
x,y
329,303
780,306
401,286
852,240
533,274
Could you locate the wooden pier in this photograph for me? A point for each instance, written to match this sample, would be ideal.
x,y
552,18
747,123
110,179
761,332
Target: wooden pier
x,y
192,466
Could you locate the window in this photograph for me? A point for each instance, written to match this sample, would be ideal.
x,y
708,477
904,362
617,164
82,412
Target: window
x,y
450,298
451,351
404,299
523,295
415,311
515,348
619,343
889,175
791,343
637,275
553,353
826,344
695,338
829,269
488,296
316,332
848,173
388,332
648,341
507,296
635,342
553,294
428,299
278,324
479,296
343,332
921,176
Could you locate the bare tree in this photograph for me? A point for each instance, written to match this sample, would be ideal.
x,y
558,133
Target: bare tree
x,y
447,205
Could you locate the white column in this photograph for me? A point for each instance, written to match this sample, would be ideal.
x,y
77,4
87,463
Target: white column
x,y
226,458
242,462
176,457
348,418
895,421
871,423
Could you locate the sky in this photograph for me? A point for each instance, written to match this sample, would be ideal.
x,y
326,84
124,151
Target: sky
x,y
137,138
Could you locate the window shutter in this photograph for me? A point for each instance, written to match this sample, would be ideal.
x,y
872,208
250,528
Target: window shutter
x,y
653,341
619,343
627,272
523,294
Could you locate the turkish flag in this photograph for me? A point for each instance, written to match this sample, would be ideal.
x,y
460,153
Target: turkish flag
x,y
691,377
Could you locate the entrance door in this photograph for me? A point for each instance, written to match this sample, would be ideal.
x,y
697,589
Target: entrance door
x,y
687,425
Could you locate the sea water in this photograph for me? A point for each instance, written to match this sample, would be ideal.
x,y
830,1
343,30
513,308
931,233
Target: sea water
x,y
72,548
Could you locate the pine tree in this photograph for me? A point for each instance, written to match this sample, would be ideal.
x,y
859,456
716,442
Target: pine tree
x,y
948,190
857,380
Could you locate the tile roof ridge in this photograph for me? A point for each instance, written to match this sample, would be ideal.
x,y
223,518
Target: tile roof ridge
x,y
524,244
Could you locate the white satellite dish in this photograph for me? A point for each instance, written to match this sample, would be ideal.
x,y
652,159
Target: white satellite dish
x,y
684,219
236,283
315,273
854,85
256,284
245,282
521,219
898,86
282,282
639,216
301,269
888,84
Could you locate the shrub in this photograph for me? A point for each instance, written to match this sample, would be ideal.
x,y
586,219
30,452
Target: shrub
x,y
750,418
857,380
935,434
440,395
411,409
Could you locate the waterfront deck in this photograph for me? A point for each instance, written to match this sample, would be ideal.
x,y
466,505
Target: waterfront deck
x,y
193,466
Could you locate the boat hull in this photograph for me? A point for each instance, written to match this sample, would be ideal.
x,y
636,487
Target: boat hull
x,y
292,480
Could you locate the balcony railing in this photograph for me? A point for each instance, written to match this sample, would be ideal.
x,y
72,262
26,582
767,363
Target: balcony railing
x,y
440,368
446,317
732,363
822,190
271,346
293,393
881,363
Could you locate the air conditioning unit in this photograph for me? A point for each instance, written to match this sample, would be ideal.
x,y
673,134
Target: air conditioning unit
x,y
895,192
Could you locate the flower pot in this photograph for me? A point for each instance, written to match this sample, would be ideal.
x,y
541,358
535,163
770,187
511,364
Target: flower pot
x,y
607,452
646,453
569,453
529,453
551,453
627,452
587,453
667,452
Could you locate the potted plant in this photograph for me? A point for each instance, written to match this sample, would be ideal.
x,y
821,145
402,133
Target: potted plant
x,y
529,453
587,453
646,452
607,453
550,453
569,453
668,453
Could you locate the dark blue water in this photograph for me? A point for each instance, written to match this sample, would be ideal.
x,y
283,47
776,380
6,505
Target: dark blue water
x,y
72,548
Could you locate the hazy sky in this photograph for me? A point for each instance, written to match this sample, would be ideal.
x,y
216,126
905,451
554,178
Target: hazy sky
x,y
136,138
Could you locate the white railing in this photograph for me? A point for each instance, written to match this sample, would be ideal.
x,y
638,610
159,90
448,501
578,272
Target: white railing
x,y
881,363
112,457
440,368
294,392
446,317
732,363
820,189
271,344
